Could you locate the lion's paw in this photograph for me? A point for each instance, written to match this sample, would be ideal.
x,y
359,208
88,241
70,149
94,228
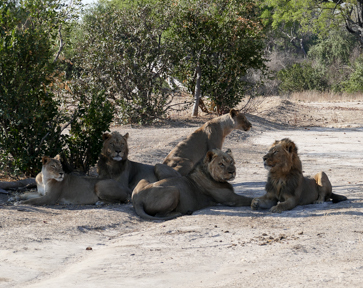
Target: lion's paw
x,y
14,199
276,209
318,202
255,204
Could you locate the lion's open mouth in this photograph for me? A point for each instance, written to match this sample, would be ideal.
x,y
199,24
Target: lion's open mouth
x,y
117,158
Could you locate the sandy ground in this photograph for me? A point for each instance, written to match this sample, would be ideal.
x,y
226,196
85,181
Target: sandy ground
x,y
110,246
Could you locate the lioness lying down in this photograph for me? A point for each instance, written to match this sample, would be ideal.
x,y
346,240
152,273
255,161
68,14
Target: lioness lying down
x,y
286,186
56,187
205,186
210,136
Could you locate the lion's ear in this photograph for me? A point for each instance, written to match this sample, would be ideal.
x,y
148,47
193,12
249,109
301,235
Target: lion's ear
x,y
58,157
126,136
106,136
288,145
210,155
229,152
233,113
45,160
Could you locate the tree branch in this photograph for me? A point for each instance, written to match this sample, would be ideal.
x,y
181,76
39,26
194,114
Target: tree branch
x,y
61,43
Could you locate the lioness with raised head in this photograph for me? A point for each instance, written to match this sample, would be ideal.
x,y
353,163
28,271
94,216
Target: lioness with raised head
x,y
56,187
286,186
114,164
206,185
210,136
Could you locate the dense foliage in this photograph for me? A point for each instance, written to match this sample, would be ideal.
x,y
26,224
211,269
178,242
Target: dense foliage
x,y
329,38
33,114
300,77
123,53
28,112
64,78
218,41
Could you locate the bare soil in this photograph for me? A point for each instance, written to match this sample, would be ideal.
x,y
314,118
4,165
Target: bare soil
x,y
110,246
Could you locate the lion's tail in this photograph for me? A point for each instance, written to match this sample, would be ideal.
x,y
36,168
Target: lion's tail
x,y
337,198
139,208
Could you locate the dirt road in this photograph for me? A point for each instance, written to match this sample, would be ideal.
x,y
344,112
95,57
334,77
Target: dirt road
x,y
110,246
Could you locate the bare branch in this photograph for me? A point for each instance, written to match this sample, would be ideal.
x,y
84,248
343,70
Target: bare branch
x,y
61,43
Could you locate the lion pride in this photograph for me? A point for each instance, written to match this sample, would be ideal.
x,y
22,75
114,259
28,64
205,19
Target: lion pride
x,y
206,185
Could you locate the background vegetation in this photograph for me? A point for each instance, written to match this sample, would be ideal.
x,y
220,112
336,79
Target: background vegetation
x,y
67,71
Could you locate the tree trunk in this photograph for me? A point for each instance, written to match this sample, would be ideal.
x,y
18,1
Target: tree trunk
x,y
197,91
302,47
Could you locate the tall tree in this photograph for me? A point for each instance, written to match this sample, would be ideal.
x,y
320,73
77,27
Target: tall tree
x,y
320,16
217,42
122,52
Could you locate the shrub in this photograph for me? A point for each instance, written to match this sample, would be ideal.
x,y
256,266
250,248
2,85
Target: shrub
x,y
122,53
300,77
94,116
29,116
355,81
32,118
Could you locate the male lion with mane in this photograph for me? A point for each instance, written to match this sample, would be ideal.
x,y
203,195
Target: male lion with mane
x,y
210,136
286,186
206,185
56,187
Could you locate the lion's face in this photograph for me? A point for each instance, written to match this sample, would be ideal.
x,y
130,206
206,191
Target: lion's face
x,y
282,157
240,120
115,146
52,169
220,165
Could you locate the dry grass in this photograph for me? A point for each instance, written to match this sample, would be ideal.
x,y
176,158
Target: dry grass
x,y
314,96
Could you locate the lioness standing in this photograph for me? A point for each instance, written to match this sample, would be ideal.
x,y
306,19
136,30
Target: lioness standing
x,y
210,136
206,185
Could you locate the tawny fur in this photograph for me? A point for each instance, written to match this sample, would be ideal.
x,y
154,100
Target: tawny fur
x,y
114,164
206,185
286,186
56,187
210,136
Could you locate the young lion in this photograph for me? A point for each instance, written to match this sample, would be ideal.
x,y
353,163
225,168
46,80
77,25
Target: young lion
x,y
206,185
210,136
286,183
114,164
56,187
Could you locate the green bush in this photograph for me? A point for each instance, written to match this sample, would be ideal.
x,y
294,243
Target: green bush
x,y
85,141
122,52
335,48
300,77
29,115
32,118
355,81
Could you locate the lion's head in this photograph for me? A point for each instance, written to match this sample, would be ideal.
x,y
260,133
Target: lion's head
x,y
240,120
52,169
220,165
282,157
115,146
